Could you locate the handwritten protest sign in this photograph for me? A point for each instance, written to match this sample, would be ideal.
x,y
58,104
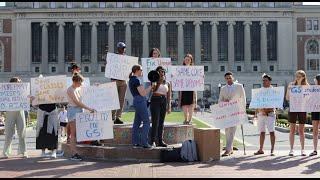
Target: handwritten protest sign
x,y
305,98
101,98
14,96
228,114
94,126
149,64
119,66
86,82
51,89
267,97
187,78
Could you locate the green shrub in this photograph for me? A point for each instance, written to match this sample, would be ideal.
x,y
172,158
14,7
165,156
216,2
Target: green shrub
x,y
251,111
33,115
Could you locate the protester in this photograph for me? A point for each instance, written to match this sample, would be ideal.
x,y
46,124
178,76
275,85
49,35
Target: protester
x,y
140,104
75,106
155,53
266,118
301,79
188,99
63,119
122,88
315,116
15,119
160,104
231,91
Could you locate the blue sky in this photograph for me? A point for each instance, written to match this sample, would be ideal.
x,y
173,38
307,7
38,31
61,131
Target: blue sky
x,y
304,3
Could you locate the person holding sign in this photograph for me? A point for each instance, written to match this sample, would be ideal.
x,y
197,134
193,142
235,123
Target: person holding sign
x,y
155,53
160,104
300,80
15,118
141,110
122,88
266,118
75,106
231,91
315,116
188,99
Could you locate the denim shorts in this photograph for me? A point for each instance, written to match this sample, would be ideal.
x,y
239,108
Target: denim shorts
x,y
72,111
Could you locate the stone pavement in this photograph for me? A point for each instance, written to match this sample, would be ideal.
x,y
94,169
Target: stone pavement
x,y
237,165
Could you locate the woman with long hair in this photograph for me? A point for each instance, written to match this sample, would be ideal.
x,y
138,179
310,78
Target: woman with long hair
x,y
188,99
315,116
300,80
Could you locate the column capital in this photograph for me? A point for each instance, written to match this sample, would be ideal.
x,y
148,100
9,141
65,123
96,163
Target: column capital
x,y
180,23
44,24
232,23
111,23
77,23
247,23
145,23
212,23
93,23
263,23
197,23
163,23
129,23
60,23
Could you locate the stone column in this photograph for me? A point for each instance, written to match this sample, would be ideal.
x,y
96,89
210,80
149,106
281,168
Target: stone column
x,y
230,45
247,46
111,36
263,46
163,38
77,43
180,42
94,46
197,42
145,50
214,45
61,53
44,48
128,37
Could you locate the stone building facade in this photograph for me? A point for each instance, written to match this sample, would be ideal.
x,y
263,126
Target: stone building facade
x,y
247,38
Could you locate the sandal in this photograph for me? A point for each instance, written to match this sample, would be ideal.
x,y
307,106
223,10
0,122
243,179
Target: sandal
x,y
258,152
314,153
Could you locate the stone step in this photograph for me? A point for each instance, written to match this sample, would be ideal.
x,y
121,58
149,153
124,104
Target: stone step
x,y
117,153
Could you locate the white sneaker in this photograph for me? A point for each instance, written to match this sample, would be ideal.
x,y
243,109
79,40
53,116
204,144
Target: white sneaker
x,y
291,153
303,153
54,154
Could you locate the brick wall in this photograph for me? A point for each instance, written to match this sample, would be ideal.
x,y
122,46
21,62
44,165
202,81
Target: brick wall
x,y
7,26
301,25
301,40
6,41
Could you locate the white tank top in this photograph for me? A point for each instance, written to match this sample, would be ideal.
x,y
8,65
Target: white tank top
x,y
163,89
76,93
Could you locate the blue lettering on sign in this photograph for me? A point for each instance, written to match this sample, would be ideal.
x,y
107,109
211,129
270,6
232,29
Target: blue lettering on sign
x,y
296,90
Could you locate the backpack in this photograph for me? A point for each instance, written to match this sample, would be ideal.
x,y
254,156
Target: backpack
x,y
170,155
189,151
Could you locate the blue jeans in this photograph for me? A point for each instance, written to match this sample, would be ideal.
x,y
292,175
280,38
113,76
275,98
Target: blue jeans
x,y
141,115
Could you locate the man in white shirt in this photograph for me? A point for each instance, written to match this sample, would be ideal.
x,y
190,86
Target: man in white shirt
x,y
231,91
63,119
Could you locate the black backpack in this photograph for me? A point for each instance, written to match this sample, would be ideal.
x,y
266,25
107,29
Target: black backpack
x,y
170,155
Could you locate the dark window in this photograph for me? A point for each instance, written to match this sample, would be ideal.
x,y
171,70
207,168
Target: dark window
x,y
86,69
36,38
222,41
69,42
255,41
206,68
103,69
154,35
239,41
52,42
85,42
102,40
222,68
37,69
272,41
136,39
188,35
315,25
205,41
69,68
53,69
256,86
172,40
239,68
309,24
119,34
255,68
271,68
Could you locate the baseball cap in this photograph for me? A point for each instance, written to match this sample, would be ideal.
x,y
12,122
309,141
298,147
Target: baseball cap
x,y
121,45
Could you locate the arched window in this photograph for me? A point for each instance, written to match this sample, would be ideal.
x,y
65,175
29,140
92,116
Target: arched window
x,y
312,47
1,57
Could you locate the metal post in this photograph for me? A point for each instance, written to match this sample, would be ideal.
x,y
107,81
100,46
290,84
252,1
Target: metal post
x,y
244,147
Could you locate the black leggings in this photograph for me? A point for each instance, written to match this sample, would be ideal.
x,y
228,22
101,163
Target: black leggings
x,y
158,108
